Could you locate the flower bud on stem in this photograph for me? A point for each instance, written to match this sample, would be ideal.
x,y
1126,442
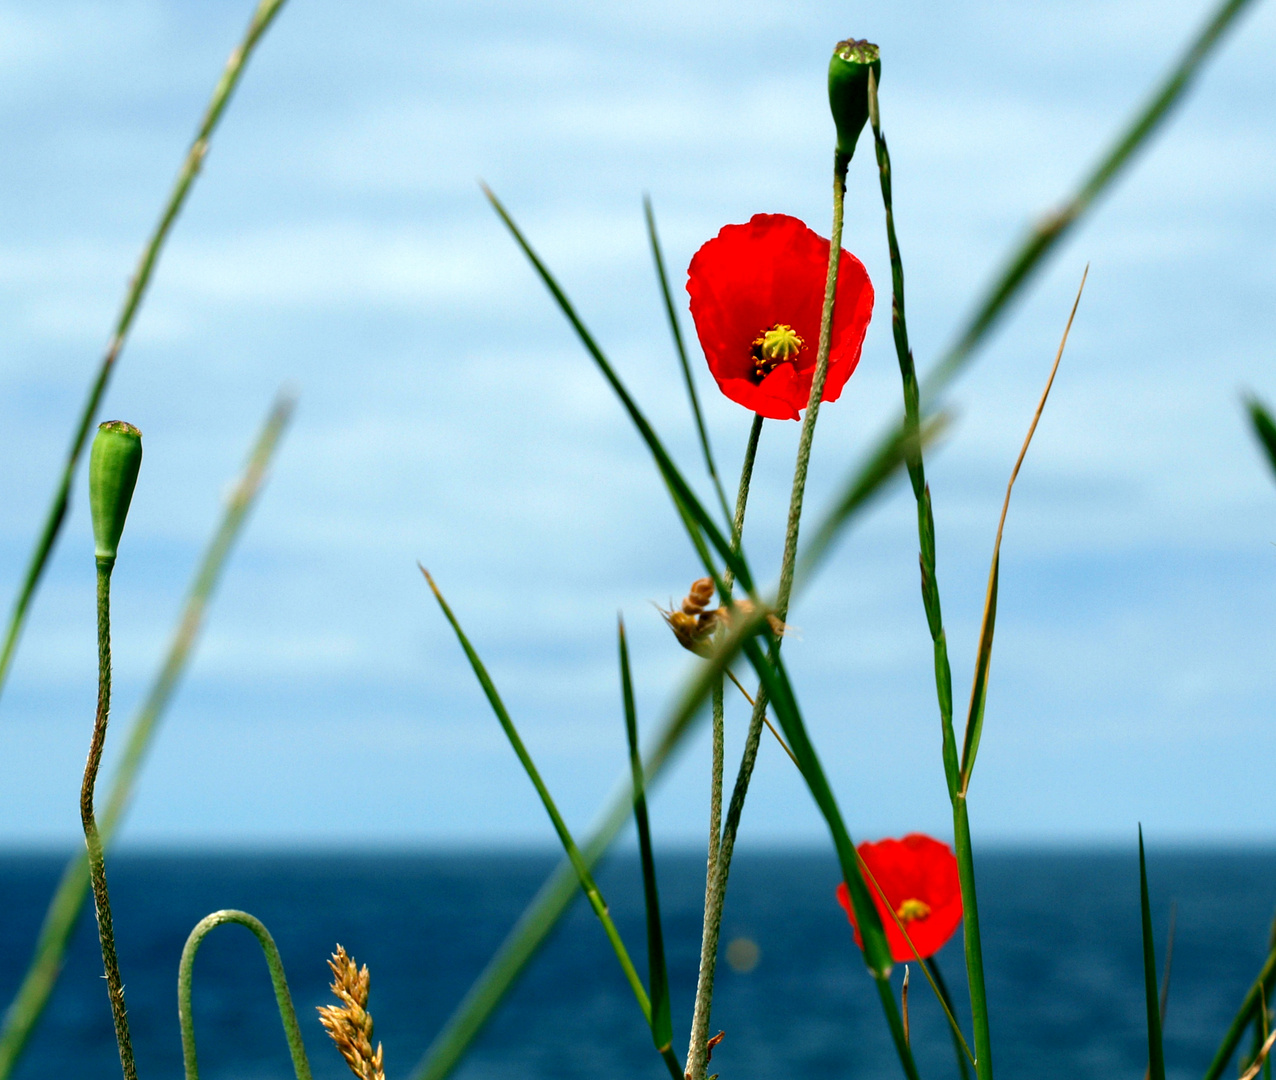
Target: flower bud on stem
x,y
848,90
113,465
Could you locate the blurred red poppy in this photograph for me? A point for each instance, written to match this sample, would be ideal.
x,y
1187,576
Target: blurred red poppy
x,y
757,292
918,874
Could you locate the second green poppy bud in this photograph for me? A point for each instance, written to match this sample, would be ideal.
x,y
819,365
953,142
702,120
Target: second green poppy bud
x,y
113,464
848,89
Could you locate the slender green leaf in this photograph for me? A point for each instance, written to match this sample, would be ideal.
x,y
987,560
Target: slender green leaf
x,y
877,954
257,26
1264,428
64,909
959,1043
1156,1054
558,891
1027,257
678,486
675,330
587,884
657,972
979,688
1245,1015
185,973
939,990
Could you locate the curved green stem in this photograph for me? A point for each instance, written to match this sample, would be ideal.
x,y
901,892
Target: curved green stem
x,y
97,865
296,1047
59,921
261,20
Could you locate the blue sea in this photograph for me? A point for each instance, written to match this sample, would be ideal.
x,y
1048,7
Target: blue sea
x,y
1061,934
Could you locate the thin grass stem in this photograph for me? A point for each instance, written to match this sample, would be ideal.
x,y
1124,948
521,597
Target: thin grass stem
x,y
260,22
1156,1052
37,985
185,972
862,484
1027,257
960,1048
940,995
671,312
587,883
562,886
688,506
979,689
877,955
657,970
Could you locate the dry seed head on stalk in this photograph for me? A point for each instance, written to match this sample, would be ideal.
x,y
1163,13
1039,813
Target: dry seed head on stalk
x,y
349,1024
695,624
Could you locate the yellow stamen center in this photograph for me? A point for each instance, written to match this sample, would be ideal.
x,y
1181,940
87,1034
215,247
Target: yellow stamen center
x,y
777,346
911,909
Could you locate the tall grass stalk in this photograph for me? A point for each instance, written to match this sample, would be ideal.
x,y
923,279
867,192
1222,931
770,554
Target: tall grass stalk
x,y
190,169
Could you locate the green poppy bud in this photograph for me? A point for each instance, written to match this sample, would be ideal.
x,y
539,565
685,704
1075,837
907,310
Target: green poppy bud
x,y
848,89
113,464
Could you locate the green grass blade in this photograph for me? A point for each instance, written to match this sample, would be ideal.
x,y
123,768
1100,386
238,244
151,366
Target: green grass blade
x,y
1027,257
877,953
916,463
1264,428
1258,992
64,909
979,688
884,460
1156,1054
658,974
561,887
260,22
959,1043
185,971
586,879
680,347
678,486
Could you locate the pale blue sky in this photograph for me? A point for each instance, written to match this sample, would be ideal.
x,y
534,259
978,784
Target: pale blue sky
x,y
338,241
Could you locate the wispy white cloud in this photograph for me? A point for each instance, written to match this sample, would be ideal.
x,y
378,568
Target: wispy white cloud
x,y
338,240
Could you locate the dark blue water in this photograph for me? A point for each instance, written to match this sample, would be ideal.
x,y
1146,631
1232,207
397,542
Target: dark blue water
x,y
1061,940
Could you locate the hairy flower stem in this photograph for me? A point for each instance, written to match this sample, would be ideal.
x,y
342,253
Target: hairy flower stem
x,y
97,866
737,531
697,1052
716,768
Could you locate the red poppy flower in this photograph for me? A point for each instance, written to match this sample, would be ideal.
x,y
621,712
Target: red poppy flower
x,y
919,877
757,291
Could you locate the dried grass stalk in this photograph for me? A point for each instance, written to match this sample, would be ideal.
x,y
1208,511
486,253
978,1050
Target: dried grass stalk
x,y
349,1024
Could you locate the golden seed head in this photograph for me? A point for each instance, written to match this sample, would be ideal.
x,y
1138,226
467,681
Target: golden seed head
x,y
700,593
350,1024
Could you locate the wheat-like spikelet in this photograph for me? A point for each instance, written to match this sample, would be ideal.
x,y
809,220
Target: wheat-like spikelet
x,y
349,1024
